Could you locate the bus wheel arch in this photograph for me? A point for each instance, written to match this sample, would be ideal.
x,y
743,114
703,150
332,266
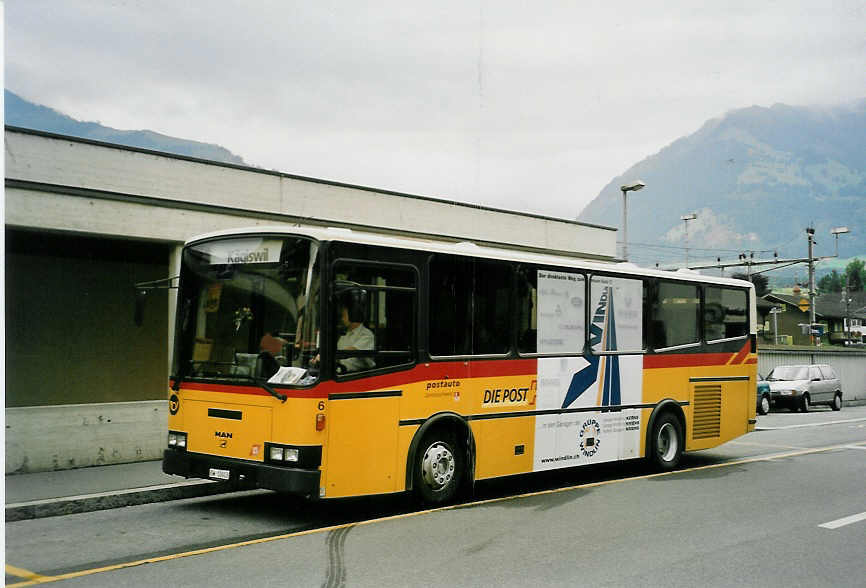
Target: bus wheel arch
x,y
443,438
666,435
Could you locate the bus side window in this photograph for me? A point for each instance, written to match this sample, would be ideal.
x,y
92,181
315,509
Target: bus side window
x,y
379,303
491,308
617,306
450,305
674,318
470,306
527,310
551,311
725,313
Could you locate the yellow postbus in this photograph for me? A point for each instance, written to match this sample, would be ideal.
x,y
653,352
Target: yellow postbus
x,y
333,363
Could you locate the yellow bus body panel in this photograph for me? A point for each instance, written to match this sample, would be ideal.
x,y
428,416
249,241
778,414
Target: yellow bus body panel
x,y
504,446
366,448
361,454
262,419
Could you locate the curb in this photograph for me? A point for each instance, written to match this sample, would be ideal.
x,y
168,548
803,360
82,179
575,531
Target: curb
x,y
52,507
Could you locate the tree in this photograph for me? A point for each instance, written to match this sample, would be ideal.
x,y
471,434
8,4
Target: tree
x,y
832,282
762,287
855,275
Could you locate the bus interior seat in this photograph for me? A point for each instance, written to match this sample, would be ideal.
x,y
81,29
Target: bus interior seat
x,y
245,364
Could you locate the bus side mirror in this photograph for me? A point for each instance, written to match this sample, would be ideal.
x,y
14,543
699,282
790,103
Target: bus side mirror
x,y
140,299
141,289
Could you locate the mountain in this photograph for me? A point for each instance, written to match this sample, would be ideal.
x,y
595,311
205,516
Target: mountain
x,y
21,113
756,178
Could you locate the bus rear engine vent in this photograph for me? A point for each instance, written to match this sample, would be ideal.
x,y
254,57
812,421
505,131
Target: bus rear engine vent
x,y
707,417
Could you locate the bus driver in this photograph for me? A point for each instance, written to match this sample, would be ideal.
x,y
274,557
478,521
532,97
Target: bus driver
x,y
357,337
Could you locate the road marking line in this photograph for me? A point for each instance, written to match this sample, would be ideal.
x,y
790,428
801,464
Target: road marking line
x,y
855,447
173,556
844,521
766,445
804,425
32,577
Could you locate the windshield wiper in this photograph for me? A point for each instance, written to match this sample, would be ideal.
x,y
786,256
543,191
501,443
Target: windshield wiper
x,y
184,370
264,384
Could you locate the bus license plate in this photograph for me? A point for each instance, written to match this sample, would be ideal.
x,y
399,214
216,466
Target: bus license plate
x,y
219,474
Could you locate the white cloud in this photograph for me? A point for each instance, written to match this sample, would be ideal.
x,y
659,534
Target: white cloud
x,y
531,107
710,230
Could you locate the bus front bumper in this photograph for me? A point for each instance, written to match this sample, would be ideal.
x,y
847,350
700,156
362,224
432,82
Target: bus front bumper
x,y
242,473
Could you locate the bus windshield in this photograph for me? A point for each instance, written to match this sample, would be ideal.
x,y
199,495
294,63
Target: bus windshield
x,y
249,311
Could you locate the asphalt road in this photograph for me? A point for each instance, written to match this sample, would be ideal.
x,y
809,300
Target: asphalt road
x,y
747,513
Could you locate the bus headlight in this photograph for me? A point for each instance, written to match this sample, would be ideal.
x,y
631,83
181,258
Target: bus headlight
x,y
283,454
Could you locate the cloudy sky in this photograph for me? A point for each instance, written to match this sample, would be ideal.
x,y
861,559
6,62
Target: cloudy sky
x,y
531,106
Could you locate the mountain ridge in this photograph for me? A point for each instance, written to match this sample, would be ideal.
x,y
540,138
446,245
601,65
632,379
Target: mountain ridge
x,y
23,113
756,177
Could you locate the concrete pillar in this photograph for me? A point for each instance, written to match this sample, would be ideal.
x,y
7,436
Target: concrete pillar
x,y
173,270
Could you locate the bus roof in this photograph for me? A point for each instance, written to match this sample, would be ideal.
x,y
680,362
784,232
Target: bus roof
x,y
467,248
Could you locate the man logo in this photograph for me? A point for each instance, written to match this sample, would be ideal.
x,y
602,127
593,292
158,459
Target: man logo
x,y
173,404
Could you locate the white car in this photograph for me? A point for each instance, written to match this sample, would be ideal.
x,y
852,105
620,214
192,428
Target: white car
x,y
801,386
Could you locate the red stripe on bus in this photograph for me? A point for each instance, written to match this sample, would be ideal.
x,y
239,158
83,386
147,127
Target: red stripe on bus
x,y
742,354
433,371
685,360
450,370
253,390
508,367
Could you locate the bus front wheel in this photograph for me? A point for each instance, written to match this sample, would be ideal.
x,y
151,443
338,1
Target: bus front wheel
x,y
666,442
439,467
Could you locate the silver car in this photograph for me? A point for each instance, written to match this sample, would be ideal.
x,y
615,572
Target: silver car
x,y
800,386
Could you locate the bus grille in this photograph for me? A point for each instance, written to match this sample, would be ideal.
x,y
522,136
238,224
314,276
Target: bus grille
x,y
707,414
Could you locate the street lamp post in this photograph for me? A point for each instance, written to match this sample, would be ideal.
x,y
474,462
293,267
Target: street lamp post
x,y
847,301
686,218
836,232
633,187
810,233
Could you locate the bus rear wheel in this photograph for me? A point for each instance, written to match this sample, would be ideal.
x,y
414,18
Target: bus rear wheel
x,y
666,442
439,467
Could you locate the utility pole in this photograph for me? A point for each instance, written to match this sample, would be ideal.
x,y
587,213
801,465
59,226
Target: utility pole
x,y
810,232
686,218
847,301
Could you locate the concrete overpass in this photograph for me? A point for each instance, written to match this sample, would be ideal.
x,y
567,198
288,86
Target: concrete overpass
x,y
86,220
